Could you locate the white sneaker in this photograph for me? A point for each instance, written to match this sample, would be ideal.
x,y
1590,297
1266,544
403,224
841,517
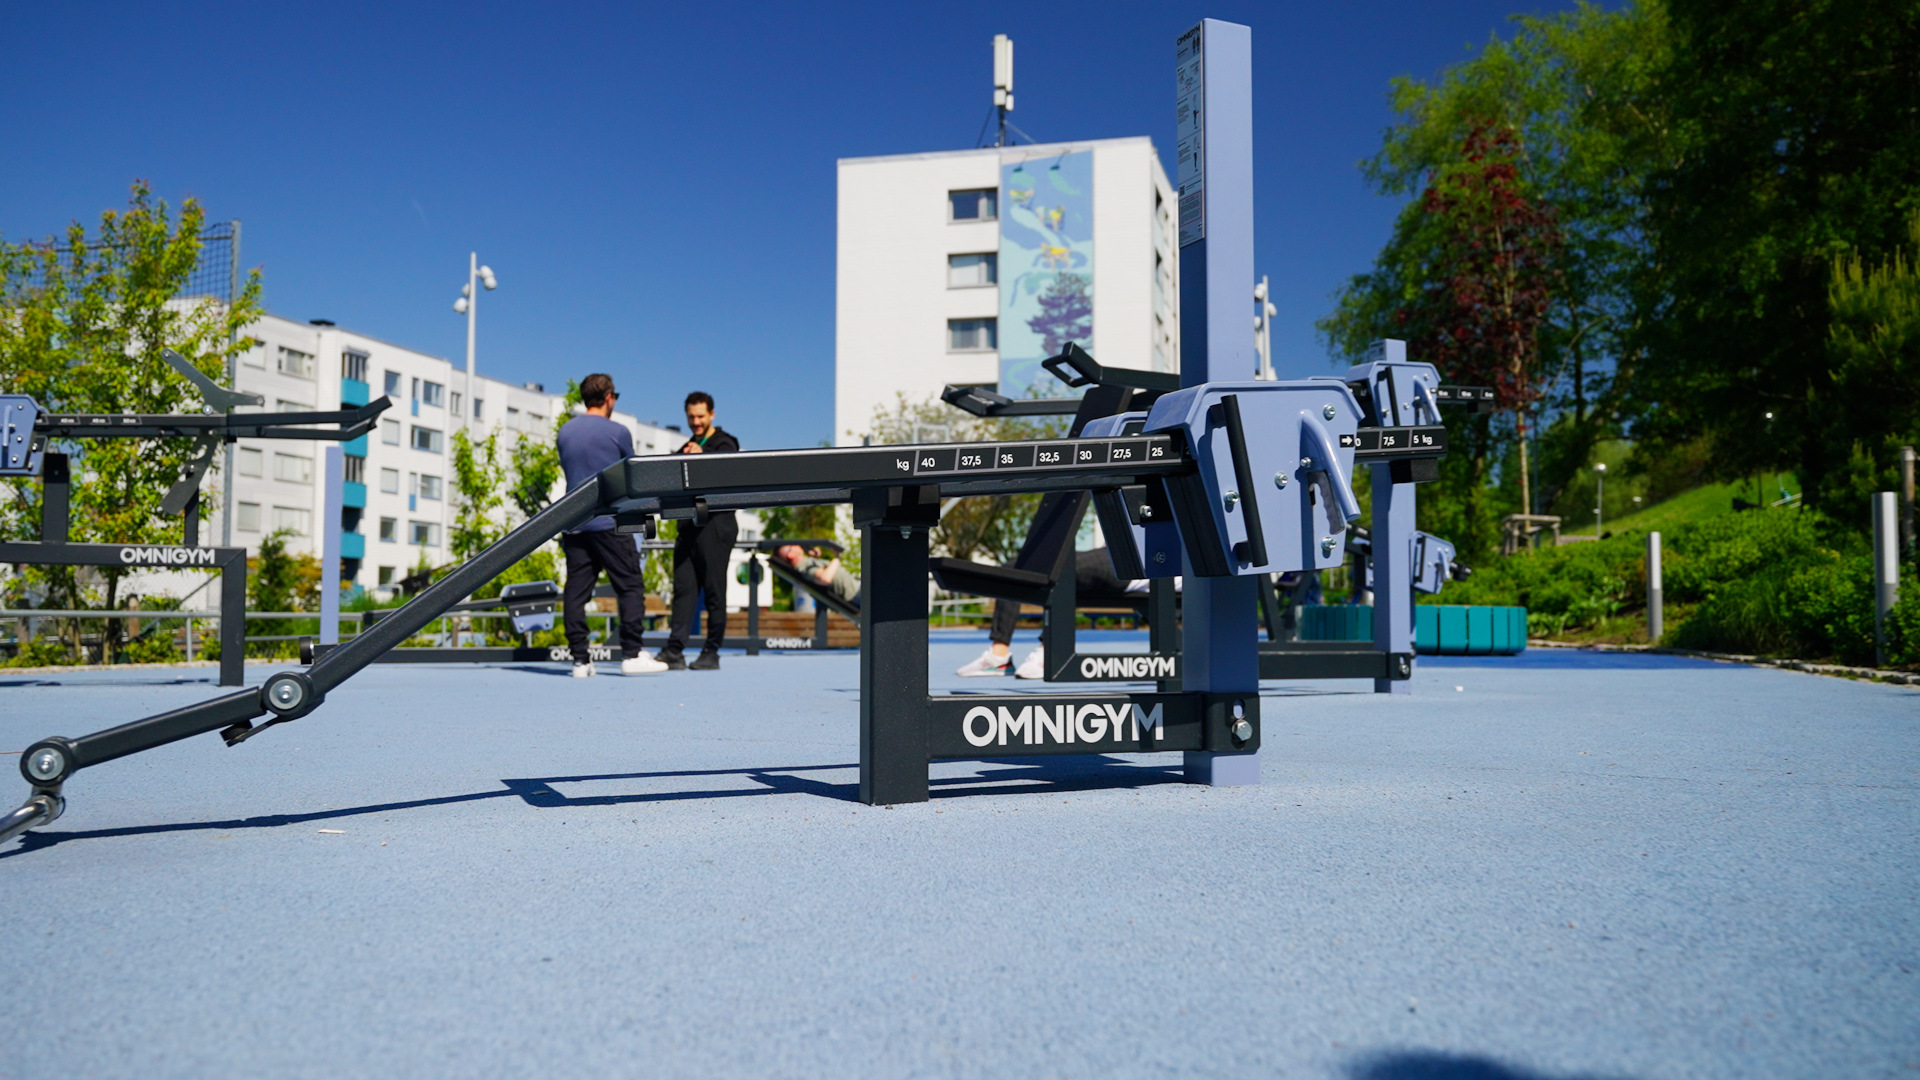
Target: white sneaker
x,y
1034,666
987,663
583,671
641,665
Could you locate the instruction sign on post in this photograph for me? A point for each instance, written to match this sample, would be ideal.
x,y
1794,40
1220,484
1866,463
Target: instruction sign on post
x,y
1190,91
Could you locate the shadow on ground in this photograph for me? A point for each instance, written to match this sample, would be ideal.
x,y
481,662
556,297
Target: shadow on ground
x,y
993,776
1435,1065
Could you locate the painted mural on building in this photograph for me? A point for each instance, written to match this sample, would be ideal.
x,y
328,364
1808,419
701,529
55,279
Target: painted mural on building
x,y
1046,268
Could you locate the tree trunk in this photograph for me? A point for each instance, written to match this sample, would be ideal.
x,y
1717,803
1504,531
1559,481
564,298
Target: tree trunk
x,y
1526,478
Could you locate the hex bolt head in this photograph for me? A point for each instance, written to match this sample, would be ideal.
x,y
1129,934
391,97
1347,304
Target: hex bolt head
x,y
1280,480
1243,730
1326,545
1159,557
46,763
1329,412
1230,499
1306,463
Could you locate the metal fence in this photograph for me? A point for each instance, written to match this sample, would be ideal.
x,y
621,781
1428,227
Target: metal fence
x,y
216,276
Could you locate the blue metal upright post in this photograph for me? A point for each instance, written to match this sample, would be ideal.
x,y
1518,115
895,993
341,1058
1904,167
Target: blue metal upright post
x,y
333,481
1214,83
1392,548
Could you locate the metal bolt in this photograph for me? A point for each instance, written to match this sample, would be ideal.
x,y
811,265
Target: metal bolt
x,y
1329,412
1280,480
286,693
1326,545
1159,557
1231,498
1306,463
906,532
46,763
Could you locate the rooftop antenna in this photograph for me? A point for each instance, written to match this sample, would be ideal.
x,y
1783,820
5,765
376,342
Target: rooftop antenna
x,y
1002,82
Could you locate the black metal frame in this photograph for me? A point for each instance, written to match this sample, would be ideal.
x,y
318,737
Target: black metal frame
x,y
896,494
23,452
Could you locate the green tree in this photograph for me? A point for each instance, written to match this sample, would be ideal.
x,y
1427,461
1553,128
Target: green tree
x,y
477,481
1560,119
83,323
1874,351
1803,125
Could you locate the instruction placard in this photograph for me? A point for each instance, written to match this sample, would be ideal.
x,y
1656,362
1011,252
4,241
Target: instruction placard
x,y
1190,94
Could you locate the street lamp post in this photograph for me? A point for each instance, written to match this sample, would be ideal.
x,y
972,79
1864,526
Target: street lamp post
x,y
468,305
1599,497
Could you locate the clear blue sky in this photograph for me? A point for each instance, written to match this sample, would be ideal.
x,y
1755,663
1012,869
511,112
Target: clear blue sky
x,y
654,185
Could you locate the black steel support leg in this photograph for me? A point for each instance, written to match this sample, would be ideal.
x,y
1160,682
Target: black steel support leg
x,y
233,621
894,733
1163,625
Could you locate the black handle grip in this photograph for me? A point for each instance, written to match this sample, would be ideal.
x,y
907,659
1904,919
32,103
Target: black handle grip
x,y
1252,550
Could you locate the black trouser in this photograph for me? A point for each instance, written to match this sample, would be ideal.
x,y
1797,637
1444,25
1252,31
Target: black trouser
x,y
700,558
1092,580
589,553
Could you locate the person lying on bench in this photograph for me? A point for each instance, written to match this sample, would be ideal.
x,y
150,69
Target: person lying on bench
x,y
830,575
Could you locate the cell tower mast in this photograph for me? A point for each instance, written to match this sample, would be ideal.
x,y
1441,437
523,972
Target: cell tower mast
x,y
1002,82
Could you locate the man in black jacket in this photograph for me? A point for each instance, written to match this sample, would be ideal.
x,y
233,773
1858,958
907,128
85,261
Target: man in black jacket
x,y
701,552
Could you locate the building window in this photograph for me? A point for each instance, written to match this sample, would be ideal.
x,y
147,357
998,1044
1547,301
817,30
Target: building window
x,y
429,393
295,363
974,204
423,533
386,572
293,519
390,481
283,405
535,421
513,418
392,384
293,469
390,432
972,335
454,405
429,487
248,462
353,365
426,439
354,469
389,529
255,357
968,271
246,517
476,408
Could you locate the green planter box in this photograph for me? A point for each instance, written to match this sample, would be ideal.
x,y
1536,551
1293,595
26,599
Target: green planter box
x,y
1336,622
1438,629
1455,630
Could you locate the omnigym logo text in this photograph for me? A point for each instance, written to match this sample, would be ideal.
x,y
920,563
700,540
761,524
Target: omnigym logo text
x,y
1037,725
166,556
1127,667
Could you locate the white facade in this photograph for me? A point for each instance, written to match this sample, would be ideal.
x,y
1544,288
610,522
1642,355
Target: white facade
x,y
405,463
896,290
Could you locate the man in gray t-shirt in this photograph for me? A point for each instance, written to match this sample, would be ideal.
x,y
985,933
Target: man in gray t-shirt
x,y
588,444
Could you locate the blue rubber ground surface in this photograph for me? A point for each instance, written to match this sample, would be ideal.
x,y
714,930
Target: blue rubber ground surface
x,y
1573,865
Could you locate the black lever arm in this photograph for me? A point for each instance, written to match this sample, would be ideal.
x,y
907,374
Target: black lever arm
x,y
1252,550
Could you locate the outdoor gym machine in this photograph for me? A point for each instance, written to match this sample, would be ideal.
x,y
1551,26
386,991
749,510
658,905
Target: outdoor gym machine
x,y
27,433
1208,444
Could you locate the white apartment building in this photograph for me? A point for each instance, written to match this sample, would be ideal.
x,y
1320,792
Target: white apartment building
x,y
398,504
972,266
